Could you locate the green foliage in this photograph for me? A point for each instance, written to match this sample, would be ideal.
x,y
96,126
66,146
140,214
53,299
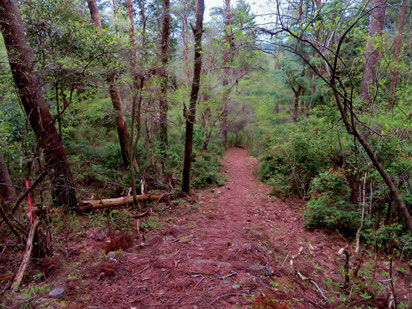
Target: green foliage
x,y
298,153
328,206
205,170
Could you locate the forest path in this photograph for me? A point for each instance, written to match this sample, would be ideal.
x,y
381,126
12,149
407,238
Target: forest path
x,y
222,250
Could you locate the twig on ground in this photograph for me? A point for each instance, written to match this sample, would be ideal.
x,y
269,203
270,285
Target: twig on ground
x,y
232,274
176,253
319,289
198,283
284,261
142,214
304,278
140,271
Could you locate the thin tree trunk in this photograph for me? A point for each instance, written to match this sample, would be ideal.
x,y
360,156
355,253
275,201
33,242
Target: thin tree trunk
x,y
296,104
357,248
31,94
115,12
226,54
164,55
133,70
396,53
351,129
376,23
94,12
121,124
7,192
191,112
185,40
298,93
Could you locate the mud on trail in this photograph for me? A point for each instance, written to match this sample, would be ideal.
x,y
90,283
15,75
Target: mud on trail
x,y
231,247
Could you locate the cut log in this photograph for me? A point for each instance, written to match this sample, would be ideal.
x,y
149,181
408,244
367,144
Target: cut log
x,y
26,258
116,202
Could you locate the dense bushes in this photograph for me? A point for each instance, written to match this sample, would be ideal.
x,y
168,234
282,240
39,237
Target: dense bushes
x,y
296,154
329,205
316,159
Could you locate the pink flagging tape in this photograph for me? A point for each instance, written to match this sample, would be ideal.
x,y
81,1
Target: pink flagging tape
x,y
28,195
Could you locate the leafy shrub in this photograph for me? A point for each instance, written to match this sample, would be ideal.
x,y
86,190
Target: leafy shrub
x,y
328,207
296,154
205,169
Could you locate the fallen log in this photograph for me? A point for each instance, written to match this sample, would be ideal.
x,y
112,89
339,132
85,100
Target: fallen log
x,y
116,202
26,258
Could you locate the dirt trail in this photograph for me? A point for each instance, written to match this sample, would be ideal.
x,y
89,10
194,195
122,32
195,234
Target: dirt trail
x,y
224,250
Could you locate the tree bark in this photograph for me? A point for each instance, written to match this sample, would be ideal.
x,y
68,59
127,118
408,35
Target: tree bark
x,y
7,192
31,95
164,55
121,123
396,53
191,112
94,12
376,23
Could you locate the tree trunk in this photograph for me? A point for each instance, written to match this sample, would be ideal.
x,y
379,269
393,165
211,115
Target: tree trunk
x,y
31,95
296,105
396,53
185,41
7,192
226,54
351,129
376,23
136,90
191,112
297,94
164,55
121,124
94,12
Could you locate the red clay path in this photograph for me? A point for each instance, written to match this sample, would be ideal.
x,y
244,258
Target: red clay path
x,y
230,248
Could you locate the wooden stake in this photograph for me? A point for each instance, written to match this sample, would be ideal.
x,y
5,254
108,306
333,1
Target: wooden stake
x,y
26,257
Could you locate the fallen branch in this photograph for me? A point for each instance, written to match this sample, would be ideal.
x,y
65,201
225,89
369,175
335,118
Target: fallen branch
x,y
115,202
141,215
228,276
304,278
26,257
